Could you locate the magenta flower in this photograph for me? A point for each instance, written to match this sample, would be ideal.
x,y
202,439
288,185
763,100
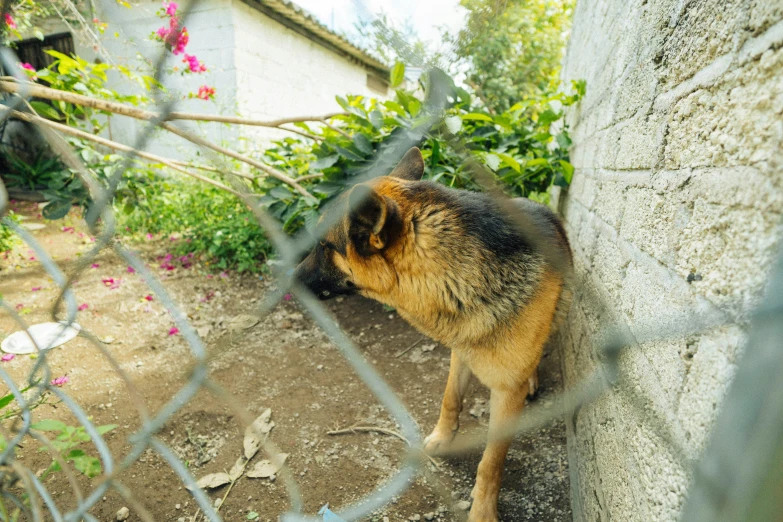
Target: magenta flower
x,y
149,236
19,307
287,297
194,64
27,66
148,297
131,270
174,330
59,381
36,288
83,307
68,229
94,265
205,93
162,33
9,21
7,357
112,283
171,8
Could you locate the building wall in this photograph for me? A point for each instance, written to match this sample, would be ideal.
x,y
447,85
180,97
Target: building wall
x,y
282,73
675,208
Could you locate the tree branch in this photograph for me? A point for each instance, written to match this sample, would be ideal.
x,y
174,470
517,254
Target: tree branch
x,y
141,114
118,146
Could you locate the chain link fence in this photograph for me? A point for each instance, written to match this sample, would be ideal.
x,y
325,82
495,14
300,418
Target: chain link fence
x,y
739,478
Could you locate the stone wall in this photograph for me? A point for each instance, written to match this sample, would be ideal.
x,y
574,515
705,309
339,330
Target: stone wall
x,y
675,208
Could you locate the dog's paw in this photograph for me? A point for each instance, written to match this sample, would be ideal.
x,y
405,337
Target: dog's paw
x,y
438,441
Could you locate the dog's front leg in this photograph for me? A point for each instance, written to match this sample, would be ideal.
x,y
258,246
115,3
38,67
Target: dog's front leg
x,y
505,407
448,422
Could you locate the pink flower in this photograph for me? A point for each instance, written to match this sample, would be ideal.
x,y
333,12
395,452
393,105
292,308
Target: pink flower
x,y
9,21
7,357
223,275
171,8
83,307
94,265
27,66
149,236
178,39
287,297
131,270
148,297
68,229
19,307
96,21
205,92
174,330
112,283
59,381
194,64
162,33
36,288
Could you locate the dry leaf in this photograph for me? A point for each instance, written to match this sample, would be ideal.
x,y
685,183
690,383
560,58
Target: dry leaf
x,y
268,468
261,426
243,322
204,331
213,480
239,466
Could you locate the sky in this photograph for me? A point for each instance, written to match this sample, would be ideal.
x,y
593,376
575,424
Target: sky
x,y
426,16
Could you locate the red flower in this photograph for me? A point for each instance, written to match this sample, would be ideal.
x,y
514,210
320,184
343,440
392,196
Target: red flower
x,y
148,297
205,92
9,21
174,330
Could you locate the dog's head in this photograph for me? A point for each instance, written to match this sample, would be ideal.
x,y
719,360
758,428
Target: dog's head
x,y
351,257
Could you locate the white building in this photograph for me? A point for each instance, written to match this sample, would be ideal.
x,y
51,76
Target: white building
x,y
266,59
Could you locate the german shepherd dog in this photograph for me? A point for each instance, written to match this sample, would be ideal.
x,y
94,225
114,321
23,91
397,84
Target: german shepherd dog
x,y
455,266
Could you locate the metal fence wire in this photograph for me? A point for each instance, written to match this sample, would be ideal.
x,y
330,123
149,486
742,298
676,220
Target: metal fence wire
x,y
748,434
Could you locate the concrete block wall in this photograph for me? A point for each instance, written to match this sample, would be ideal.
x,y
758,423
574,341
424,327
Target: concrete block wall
x,y
675,208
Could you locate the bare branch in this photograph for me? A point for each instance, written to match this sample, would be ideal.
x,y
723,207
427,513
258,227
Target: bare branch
x,y
141,114
117,146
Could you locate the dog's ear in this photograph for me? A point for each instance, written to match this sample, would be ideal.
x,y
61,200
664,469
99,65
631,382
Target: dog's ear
x,y
372,217
410,167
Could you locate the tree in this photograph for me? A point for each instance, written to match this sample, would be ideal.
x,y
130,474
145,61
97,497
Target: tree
x,y
513,48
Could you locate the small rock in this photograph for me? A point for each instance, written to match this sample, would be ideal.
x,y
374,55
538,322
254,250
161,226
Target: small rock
x,y
217,502
463,505
319,367
429,516
177,506
123,514
286,325
415,518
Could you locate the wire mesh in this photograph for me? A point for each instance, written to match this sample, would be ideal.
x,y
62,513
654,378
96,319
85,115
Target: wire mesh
x,y
36,501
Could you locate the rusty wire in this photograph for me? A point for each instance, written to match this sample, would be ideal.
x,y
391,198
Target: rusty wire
x,y
101,222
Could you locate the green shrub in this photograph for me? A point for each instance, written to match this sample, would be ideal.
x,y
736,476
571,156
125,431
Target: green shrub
x,y
7,238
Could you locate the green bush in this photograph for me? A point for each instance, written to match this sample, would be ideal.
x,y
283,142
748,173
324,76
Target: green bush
x,y
7,238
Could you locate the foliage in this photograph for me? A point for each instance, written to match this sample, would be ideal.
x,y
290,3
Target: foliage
x,y
7,238
66,441
212,224
525,146
513,48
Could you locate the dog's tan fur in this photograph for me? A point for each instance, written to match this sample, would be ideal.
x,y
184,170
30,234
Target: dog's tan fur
x,y
494,309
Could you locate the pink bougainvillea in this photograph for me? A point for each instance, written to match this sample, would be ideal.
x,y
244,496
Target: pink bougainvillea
x,y
174,330
171,8
59,381
9,21
194,65
205,92
27,66
7,357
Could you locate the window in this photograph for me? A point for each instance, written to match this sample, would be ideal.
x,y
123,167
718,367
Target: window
x,y
377,84
33,51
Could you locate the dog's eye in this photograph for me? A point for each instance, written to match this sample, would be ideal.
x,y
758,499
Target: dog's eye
x,y
327,245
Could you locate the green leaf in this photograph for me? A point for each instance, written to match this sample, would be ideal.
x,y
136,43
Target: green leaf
x,y
325,162
6,400
476,116
397,74
509,161
327,189
493,162
280,193
89,466
568,170
252,515
376,118
49,425
45,110
363,143
57,209
348,154
106,428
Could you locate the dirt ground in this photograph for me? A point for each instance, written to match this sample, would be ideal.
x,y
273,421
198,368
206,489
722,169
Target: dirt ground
x,y
284,363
